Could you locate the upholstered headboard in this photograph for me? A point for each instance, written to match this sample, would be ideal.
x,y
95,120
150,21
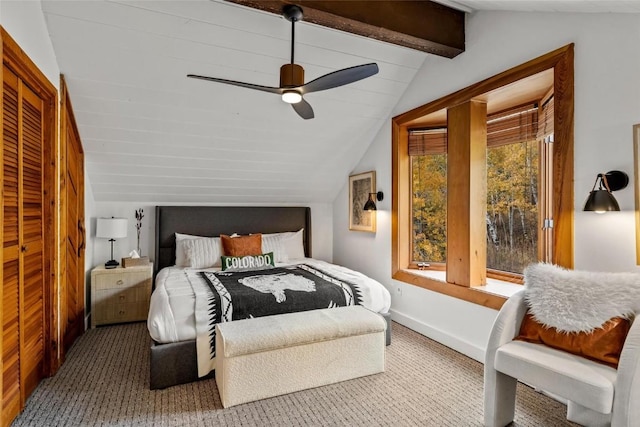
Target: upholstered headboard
x,y
212,221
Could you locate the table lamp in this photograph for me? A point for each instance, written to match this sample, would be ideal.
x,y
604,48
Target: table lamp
x,y
112,229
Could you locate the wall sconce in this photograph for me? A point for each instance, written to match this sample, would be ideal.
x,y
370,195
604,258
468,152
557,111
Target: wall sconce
x,y
601,200
112,229
371,204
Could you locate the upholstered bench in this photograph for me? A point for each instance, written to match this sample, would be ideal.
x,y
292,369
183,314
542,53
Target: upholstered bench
x,y
274,355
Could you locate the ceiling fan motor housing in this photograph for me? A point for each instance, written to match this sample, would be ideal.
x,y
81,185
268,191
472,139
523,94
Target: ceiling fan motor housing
x,y
291,75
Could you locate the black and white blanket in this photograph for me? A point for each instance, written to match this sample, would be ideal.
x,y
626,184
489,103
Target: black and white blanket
x,y
243,295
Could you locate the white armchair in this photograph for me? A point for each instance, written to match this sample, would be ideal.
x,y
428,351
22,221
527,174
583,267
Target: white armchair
x,y
596,394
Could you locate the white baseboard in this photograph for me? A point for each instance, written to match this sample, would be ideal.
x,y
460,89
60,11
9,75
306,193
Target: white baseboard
x,y
435,334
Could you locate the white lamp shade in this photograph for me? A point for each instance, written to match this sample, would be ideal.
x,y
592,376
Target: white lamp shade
x,y
111,228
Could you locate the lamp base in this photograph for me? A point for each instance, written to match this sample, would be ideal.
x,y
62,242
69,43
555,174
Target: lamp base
x,y
111,264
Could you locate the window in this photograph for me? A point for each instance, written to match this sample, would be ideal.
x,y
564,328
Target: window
x,y
521,216
428,151
513,177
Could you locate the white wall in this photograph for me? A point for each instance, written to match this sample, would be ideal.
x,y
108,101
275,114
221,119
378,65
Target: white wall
x,y
321,230
24,21
607,104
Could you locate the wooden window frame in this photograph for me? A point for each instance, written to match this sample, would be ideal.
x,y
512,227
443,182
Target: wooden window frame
x,y
561,62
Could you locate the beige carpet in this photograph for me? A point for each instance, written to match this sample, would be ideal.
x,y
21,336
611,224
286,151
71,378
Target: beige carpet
x,y
105,382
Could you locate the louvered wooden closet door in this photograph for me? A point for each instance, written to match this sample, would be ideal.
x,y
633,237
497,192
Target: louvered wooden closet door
x,y
23,281
11,267
32,357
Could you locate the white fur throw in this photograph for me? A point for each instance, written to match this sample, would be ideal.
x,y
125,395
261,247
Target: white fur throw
x,y
579,301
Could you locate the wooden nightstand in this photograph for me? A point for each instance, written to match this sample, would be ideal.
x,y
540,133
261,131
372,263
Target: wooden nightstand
x,y
120,294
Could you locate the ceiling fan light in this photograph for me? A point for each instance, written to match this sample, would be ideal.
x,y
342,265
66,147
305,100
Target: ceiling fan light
x,y
291,97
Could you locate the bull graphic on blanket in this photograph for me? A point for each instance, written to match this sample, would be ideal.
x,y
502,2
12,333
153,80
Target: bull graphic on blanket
x,y
276,284
243,295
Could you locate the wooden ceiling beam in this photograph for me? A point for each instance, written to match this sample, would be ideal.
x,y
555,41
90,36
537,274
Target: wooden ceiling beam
x,y
418,24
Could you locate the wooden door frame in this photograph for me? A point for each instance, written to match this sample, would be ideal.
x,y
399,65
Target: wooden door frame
x,y
20,63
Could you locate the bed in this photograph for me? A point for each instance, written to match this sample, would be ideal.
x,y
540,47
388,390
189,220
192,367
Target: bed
x,y
172,323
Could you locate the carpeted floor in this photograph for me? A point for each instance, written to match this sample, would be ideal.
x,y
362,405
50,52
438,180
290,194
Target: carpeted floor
x,y
105,382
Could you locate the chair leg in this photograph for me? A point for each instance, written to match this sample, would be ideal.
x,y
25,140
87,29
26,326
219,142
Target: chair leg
x,y
499,398
586,417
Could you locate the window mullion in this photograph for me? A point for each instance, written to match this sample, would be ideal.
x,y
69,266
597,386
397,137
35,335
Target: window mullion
x,y
467,194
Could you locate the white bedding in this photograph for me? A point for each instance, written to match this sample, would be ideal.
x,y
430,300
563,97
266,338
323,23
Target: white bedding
x,y
172,310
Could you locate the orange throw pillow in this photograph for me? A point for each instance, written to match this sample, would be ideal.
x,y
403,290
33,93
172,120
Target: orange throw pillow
x,y
242,245
602,345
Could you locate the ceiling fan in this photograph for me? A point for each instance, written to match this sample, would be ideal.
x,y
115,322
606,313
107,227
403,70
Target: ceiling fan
x,y
292,86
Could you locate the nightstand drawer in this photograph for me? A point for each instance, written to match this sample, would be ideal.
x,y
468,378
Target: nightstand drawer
x,y
121,312
123,295
121,281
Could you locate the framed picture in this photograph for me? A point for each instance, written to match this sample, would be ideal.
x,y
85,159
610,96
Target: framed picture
x,y
360,186
636,161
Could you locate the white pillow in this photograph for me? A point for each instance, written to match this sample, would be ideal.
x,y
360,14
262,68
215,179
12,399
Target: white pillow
x,y
285,246
181,255
293,245
205,252
273,243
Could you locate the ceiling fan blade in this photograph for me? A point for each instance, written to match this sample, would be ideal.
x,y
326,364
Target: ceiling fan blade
x,y
277,90
304,110
340,78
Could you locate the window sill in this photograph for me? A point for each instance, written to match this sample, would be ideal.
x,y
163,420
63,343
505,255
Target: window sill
x,y
491,295
499,287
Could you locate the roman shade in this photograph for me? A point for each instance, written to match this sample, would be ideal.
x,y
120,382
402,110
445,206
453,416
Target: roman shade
x,y
545,122
515,125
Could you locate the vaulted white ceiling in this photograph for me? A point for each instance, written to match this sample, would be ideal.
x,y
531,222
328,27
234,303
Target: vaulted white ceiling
x,y
152,135
568,6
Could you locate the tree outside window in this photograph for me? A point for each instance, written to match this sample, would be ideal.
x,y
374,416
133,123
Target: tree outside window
x,y
512,206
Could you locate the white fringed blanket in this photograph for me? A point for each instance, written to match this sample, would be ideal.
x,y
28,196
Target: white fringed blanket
x,y
579,301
